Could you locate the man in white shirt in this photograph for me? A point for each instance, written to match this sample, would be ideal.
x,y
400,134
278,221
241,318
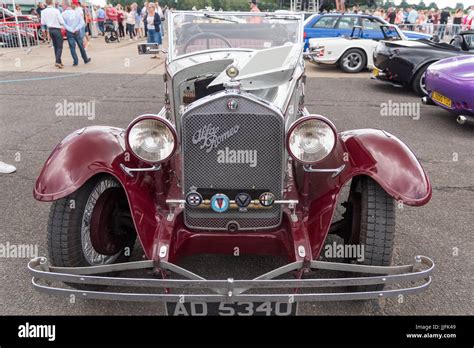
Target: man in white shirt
x,y
73,23
471,13
51,17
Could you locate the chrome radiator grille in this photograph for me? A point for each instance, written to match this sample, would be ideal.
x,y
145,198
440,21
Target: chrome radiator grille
x,y
252,126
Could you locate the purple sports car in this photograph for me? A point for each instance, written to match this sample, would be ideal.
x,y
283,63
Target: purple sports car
x,y
450,83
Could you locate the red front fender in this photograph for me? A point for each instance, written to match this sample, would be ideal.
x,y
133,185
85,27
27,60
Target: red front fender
x,y
98,150
76,159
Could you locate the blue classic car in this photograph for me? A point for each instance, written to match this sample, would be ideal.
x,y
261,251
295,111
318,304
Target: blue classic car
x,y
336,24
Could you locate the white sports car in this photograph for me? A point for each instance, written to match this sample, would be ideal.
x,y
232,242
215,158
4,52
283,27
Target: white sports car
x,y
352,53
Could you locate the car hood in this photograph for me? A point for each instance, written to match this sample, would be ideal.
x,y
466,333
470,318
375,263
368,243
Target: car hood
x,y
460,67
406,43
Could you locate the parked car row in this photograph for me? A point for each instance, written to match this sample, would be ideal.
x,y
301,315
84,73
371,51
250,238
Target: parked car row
x,y
441,73
340,25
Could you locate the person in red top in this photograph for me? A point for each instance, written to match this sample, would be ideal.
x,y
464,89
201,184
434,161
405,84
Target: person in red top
x,y
111,13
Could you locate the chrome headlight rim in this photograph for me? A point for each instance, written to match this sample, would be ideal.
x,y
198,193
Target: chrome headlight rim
x,y
306,119
152,117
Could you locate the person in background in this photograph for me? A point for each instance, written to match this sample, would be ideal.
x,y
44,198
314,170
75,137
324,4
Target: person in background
x,y
457,21
17,11
88,20
443,21
254,8
101,20
429,22
39,8
73,23
162,17
153,21
44,30
412,17
421,21
470,19
138,20
130,22
78,8
52,19
60,8
340,6
6,168
471,13
120,20
399,17
111,15
391,15
143,15
435,20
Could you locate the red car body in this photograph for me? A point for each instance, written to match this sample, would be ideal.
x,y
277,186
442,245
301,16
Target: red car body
x,y
209,98
96,150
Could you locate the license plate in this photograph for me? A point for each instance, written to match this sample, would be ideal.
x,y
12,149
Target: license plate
x,y
442,99
231,309
375,72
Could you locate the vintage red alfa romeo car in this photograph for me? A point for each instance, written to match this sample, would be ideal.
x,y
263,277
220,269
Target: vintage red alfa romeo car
x,y
232,160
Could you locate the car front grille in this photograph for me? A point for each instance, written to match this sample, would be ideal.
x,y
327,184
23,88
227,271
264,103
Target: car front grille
x,y
252,126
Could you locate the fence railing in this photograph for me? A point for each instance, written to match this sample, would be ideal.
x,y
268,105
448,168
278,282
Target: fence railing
x,y
24,34
444,31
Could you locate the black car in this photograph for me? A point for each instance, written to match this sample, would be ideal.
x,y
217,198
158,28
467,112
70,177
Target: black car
x,y
404,63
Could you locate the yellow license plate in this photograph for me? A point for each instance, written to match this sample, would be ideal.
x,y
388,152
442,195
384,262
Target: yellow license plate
x,y
375,72
442,99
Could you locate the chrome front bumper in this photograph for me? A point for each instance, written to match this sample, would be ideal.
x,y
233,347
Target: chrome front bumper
x,y
231,290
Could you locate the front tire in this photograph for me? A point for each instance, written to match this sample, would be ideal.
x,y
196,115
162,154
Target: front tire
x,y
419,82
97,212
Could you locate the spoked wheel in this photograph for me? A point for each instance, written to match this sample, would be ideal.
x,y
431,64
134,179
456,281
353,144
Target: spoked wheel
x,y
370,217
353,61
92,226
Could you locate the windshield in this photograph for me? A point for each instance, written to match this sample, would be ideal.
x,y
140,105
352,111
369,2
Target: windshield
x,y
392,32
192,32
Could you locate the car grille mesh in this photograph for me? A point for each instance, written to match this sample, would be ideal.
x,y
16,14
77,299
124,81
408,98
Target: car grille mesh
x,y
260,129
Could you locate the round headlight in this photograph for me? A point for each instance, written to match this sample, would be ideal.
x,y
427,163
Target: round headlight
x,y
152,139
310,139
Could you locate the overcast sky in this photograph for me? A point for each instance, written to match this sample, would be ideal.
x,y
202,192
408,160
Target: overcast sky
x,y
440,3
